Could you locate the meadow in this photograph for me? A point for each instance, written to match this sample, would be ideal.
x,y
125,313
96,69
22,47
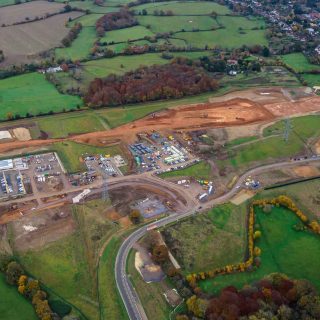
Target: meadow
x,y
121,64
62,126
7,2
89,5
177,23
88,20
80,47
32,93
185,8
201,170
76,262
299,63
311,79
284,250
13,306
127,34
236,31
306,127
274,146
70,154
64,271
223,229
264,150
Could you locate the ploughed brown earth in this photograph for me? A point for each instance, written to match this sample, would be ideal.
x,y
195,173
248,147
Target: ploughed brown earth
x,y
234,109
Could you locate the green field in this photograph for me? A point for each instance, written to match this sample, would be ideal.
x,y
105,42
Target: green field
x,y
268,149
201,170
13,306
124,35
88,20
185,8
239,141
311,79
71,152
275,147
62,126
80,47
230,36
111,304
89,5
6,2
306,127
121,64
177,23
299,63
222,230
150,294
284,250
64,272
34,94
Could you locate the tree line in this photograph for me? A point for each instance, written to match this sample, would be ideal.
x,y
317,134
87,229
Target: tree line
x,y
169,81
114,21
72,34
273,297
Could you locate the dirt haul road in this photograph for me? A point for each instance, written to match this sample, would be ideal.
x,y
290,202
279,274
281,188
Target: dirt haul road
x,y
255,106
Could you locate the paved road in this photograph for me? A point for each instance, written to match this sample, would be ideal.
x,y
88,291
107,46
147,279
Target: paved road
x,y
129,297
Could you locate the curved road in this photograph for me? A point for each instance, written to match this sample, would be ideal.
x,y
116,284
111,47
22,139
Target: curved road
x,y
129,297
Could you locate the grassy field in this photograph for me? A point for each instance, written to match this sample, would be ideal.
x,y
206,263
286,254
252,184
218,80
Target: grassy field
x,y
299,62
121,64
268,149
306,127
185,7
201,170
64,272
110,301
312,79
124,35
71,152
68,266
89,5
62,126
241,140
283,250
275,147
13,306
237,31
80,47
222,230
305,194
177,23
32,93
88,20
7,2
150,294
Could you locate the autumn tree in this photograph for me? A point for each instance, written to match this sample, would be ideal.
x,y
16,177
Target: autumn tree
x,y
13,272
135,216
160,253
